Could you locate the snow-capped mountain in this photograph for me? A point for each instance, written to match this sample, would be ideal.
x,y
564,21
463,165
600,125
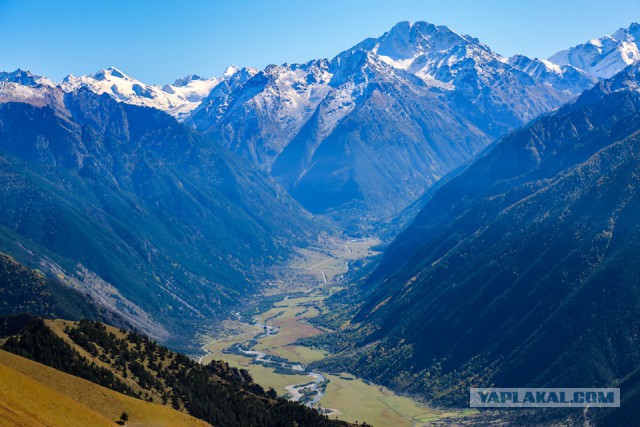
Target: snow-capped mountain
x,y
561,77
273,104
365,132
545,227
178,99
25,78
603,57
22,86
381,122
375,142
462,64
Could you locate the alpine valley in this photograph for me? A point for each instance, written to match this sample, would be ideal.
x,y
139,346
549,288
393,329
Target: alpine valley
x,y
413,217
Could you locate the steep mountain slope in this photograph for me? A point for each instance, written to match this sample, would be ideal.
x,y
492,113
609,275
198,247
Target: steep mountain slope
x,y
366,133
396,140
521,271
28,291
469,69
605,56
36,395
134,365
257,112
136,210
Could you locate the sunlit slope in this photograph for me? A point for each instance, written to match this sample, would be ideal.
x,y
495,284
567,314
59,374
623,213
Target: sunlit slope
x,y
36,395
135,366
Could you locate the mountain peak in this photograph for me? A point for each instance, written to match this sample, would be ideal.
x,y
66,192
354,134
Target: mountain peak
x,y
18,74
183,81
25,78
114,70
110,72
605,56
408,40
631,33
230,71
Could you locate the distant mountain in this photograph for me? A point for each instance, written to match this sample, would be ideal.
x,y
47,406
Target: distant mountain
x,y
22,86
522,270
561,77
137,211
363,135
605,56
366,133
464,65
177,99
25,78
258,112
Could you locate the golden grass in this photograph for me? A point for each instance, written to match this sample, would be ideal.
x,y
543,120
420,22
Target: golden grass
x,y
290,317
358,401
36,395
298,353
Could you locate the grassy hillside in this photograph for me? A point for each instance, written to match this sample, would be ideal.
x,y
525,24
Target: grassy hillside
x,y
136,366
36,395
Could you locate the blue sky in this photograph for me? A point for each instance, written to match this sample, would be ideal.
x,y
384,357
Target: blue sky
x,y
158,41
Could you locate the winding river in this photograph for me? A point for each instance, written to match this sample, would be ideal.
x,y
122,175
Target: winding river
x,y
308,393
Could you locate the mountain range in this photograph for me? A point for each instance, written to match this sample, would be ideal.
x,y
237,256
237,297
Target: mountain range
x,y
339,133
359,137
444,96
522,271
605,56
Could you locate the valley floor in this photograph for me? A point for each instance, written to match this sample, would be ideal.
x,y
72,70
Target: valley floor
x,y
263,342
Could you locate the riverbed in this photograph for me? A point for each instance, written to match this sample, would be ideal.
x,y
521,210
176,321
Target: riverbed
x,y
265,343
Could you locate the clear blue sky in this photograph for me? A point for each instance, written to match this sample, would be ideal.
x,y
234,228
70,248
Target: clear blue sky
x,y
158,41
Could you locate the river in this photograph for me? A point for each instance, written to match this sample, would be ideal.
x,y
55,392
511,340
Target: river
x,y
308,393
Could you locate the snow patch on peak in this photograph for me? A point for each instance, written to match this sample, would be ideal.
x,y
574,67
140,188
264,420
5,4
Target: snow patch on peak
x,y
25,87
406,40
434,53
116,73
605,56
25,78
178,99
230,71
564,78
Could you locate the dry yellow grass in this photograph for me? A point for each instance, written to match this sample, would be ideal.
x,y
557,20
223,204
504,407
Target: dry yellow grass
x,y
36,395
290,316
359,401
